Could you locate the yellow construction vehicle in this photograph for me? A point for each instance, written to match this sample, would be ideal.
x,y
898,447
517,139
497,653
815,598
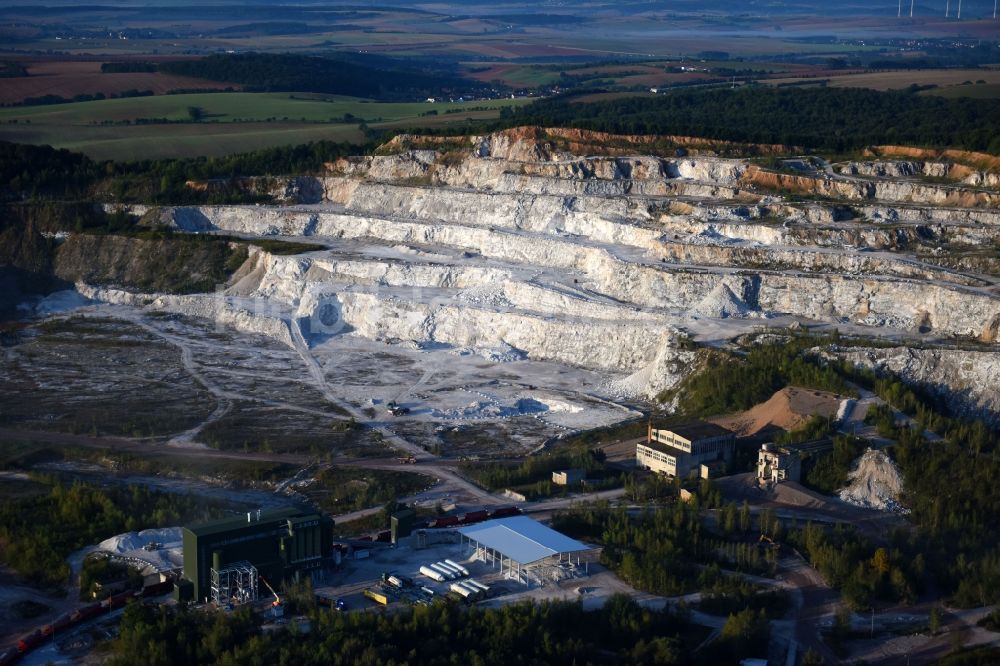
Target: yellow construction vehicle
x,y
277,608
769,541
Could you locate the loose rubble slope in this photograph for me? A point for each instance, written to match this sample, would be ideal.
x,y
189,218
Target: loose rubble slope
x,y
874,483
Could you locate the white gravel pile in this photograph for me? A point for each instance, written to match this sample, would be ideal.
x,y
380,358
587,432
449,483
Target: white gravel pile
x,y
60,301
124,543
490,294
721,302
493,409
500,353
875,483
168,553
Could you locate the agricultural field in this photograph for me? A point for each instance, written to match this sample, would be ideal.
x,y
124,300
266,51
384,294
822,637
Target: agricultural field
x,y
607,96
949,82
981,91
517,76
182,140
163,126
637,74
69,78
596,30
243,107
643,73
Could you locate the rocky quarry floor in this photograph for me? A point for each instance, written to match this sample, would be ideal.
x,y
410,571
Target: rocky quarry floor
x,y
511,282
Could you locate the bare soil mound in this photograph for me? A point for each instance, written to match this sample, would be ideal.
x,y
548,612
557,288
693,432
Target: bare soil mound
x,y
789,408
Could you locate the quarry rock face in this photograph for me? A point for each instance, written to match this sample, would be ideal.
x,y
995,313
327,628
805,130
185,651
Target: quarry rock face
x,y
958,173
606,262
968,381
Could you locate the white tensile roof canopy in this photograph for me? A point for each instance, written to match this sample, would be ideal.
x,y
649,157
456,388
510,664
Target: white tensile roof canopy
x,y
522,539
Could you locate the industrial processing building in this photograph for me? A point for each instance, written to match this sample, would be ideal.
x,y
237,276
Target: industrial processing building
x,y
776,464
680,450
521,544
223,558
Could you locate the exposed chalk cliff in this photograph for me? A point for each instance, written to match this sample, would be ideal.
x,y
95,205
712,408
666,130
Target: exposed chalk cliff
x,y
969,381
871,300
912,169
605,262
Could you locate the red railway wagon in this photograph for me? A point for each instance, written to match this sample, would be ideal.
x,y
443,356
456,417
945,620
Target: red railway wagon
x,y
118,600
31,641
447,521
505,511
85,613
156,589
61,623
475,516
10,656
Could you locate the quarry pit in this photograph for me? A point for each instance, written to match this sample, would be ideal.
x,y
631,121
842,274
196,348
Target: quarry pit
x,y
513,287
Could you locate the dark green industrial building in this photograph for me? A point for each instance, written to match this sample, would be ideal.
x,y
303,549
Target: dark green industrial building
x,y
281,544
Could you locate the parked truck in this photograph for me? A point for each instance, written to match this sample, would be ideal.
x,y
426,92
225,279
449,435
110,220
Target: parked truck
x,y
444,571
376,596
463,570
453,569
433,574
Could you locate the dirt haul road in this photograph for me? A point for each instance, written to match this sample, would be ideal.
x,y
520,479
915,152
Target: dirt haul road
x,y
443,471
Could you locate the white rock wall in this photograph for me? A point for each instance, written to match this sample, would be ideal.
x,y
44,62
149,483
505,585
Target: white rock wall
x,y
969,380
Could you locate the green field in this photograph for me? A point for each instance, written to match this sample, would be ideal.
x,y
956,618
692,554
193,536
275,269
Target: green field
x,y
976,83
523,76
231,122
981,91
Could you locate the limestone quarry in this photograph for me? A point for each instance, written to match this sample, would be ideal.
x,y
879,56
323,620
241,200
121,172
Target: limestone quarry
x,y
516,281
